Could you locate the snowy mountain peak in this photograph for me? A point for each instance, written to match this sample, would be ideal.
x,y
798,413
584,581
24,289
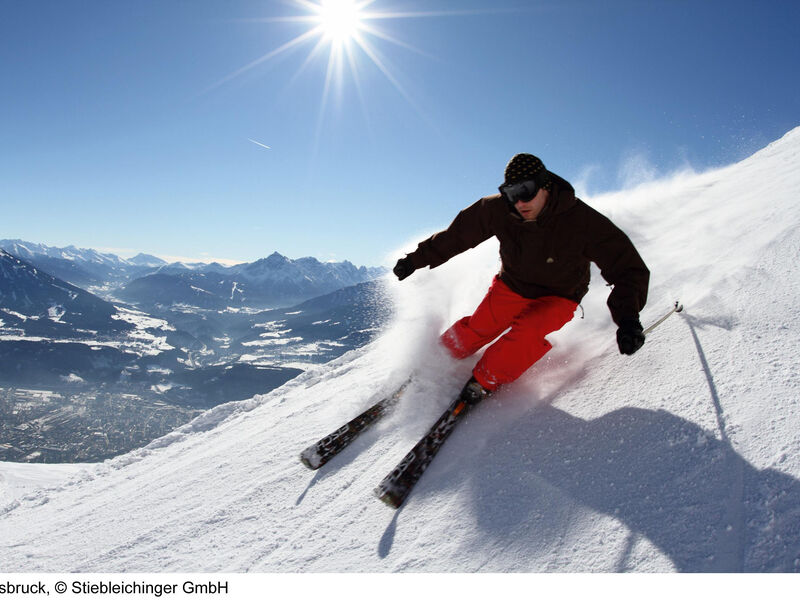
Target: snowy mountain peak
x,y
22,248
274,260
147,260
32,251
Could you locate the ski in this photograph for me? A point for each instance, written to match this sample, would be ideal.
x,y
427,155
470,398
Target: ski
x,y
397,485
325,449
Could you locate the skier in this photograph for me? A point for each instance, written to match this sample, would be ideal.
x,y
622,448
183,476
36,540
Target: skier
x,y
547,238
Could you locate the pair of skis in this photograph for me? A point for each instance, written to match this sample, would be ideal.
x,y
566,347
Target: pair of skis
x,y
397,485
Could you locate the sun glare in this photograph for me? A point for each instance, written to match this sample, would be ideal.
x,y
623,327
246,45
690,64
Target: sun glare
x,y
342,29
339,20
345,35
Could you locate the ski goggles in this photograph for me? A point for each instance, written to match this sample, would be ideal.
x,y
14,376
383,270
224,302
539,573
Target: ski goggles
x,y
523,191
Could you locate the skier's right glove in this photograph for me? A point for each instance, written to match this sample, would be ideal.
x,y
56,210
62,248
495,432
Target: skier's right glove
x,y
404,268
630,336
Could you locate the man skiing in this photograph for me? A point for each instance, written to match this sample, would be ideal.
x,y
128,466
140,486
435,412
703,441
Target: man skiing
x,y
547,238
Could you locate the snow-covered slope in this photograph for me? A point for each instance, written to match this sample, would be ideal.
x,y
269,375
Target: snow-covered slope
x,y
683,457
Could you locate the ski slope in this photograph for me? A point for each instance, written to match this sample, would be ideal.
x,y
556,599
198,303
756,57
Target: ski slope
x,y
683,457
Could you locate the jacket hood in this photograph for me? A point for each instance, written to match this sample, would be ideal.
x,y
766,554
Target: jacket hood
x,y
562,198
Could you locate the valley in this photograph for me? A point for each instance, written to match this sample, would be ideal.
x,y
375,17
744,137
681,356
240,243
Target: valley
x,y
85,376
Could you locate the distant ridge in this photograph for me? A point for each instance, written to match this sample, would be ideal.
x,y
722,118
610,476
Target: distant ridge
x,y
269,282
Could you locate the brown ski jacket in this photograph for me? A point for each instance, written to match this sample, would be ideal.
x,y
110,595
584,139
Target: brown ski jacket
x,y
549,256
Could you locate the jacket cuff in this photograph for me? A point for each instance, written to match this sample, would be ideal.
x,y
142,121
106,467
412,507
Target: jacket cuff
x,y
630,323
417,260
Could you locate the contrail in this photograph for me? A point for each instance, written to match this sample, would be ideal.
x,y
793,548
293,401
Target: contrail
x,y
260,144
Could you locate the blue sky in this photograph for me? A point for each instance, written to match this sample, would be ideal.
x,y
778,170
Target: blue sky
x,y
131,125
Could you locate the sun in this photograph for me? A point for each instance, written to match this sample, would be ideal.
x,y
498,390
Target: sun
x,y
344,30
339,20
345,36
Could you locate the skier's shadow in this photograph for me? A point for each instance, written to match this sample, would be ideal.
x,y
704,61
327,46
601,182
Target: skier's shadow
x,y
667,479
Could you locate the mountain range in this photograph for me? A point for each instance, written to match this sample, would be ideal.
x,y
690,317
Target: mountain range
x,y
167,318
40,304
157,333
269,282
81,266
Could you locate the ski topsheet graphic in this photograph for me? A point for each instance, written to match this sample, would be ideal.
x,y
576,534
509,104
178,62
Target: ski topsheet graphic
x,y
397,485
325,449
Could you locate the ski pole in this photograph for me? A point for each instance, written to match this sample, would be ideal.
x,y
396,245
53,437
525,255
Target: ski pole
x,y
677,308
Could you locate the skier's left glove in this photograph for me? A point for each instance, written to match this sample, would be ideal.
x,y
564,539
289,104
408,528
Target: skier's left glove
x,y
403,268
630,336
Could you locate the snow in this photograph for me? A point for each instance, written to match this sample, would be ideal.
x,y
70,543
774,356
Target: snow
x,y
71,378
141,320
18,315
272,341
200,290
683,457
19,479
55,313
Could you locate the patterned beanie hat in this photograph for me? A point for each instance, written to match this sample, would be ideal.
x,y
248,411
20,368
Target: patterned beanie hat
x,y
527,167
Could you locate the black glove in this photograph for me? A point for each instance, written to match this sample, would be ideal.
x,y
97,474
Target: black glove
x,y
404,268
630,336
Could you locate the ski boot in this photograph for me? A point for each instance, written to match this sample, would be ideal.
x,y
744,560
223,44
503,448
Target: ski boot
x,y
473,392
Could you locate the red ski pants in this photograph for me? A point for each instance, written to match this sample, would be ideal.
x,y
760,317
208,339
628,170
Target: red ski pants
x,y
521,346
